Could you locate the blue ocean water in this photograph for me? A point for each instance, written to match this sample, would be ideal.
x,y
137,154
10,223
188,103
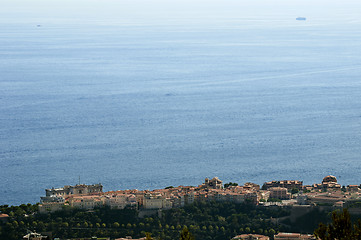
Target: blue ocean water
x,y
147,105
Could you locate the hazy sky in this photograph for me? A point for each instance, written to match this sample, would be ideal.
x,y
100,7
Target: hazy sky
x,y
162,10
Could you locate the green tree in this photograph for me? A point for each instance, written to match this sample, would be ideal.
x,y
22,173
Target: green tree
x,y
271,232
34,224
15,224
340,228
85,224
294,190
226,185
148,236
41,226
186,235
65,224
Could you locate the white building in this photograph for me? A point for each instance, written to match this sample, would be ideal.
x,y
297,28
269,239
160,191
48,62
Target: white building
x,y
86,202
120,201
156,201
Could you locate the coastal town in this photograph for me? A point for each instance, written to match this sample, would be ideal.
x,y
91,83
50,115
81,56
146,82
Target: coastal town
x,y
291,194
291,197
282,193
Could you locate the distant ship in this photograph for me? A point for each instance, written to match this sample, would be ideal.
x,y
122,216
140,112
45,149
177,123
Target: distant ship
x,y
301,19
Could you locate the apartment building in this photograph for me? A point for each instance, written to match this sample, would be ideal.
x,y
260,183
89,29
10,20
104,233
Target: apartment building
x,y
120,201
279,193
289,184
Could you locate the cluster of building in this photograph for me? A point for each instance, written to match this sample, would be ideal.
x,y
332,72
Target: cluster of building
x,y
91,196
279,236
287,192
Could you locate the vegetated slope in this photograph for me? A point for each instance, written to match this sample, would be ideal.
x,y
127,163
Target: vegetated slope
x,y
205,220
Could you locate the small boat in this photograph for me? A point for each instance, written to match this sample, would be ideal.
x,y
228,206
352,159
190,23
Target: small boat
x,y
301,19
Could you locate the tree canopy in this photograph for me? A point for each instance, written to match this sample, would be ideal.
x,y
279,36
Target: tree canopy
x,y
186,235
203,220
341,227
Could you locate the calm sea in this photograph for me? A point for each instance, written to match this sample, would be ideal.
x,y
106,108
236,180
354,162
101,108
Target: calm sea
x,y
147,104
